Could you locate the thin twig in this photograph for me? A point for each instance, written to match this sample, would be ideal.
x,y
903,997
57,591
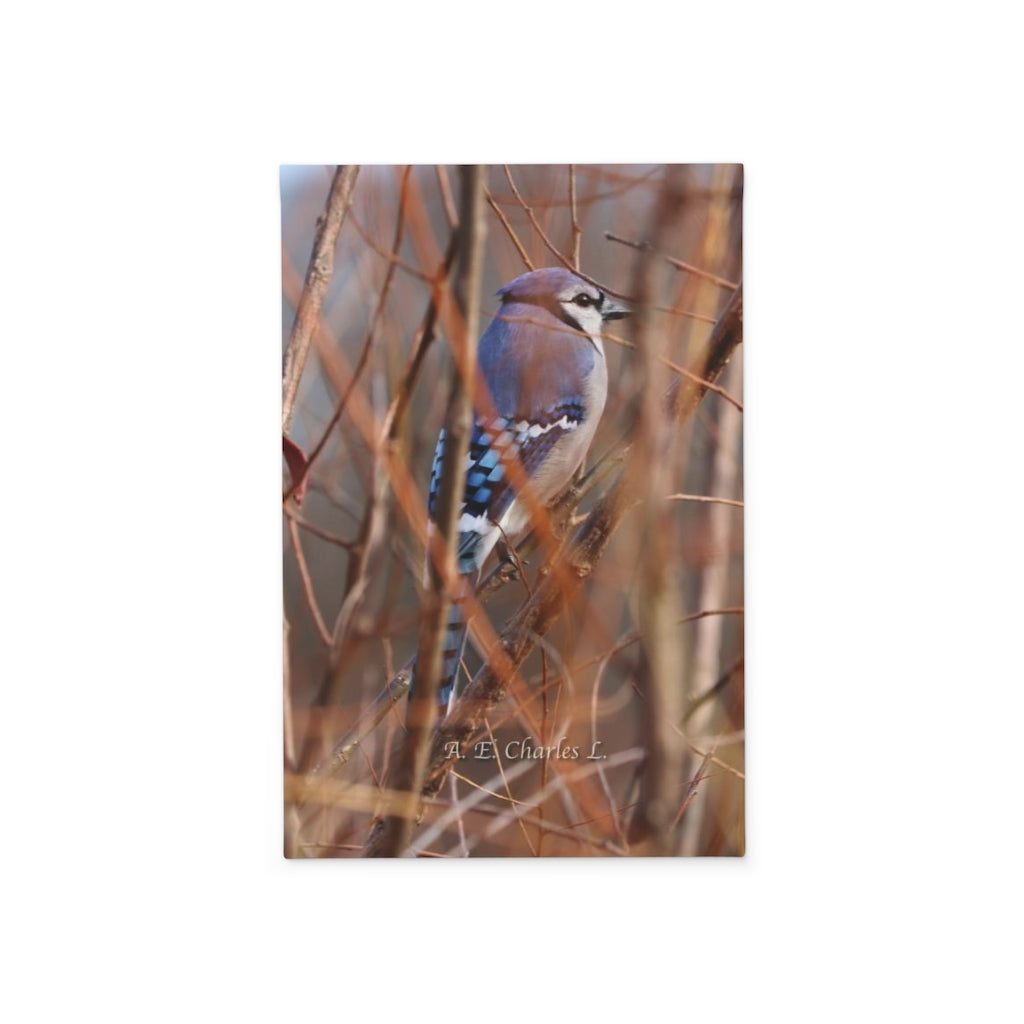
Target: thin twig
x,y
716,687
515,812
680,370
392,257
318,531
534,851
510,232
307,583
627,183
704,497
577,232
616,821
689,268
691,789
446,195
318,277
365,724
395,418
635,637
549,245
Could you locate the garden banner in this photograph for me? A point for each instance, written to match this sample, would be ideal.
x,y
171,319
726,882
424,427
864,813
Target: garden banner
x,y
512,484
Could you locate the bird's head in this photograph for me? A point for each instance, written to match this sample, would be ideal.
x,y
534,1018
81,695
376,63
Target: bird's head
x,y
568,297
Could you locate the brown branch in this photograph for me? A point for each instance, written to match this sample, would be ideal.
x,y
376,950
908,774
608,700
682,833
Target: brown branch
x,y
307,583
519,809
691,788
371,333
704,497
573,263
504,778
727,334
318,531
392,837
689,268
318,277
689,314
661,659
510,232
446,195
627,184
634,638
392,257
718,685
549,245
710,385
395,418
365,724
577,231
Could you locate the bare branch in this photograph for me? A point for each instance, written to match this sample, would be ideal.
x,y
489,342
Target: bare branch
x,y
549,245
680,369
393,836
446,195
689,268
318,277
510,231
307,583
704,497
318,531
391,256
648,474
577,232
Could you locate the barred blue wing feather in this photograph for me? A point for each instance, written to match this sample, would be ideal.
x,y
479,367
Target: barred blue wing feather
x,y
490,489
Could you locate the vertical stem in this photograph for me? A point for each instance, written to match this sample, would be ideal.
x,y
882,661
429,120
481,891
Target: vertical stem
x,y
661,661
704,295
391,838
318,277
714,590
577,232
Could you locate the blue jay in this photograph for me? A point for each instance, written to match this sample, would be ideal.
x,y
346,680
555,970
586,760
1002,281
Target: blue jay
x,y
543,361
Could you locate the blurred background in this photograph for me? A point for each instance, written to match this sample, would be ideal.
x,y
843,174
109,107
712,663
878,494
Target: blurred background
x,y
351,612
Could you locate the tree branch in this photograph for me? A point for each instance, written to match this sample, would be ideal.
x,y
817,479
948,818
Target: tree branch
x,y
688,268
318,277
392,837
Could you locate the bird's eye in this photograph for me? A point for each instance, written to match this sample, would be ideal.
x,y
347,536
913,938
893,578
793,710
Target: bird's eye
x,y
583,300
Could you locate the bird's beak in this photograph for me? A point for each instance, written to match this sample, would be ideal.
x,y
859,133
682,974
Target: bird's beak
x,y
612,310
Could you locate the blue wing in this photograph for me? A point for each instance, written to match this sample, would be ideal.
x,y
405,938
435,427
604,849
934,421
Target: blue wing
x,y
533,378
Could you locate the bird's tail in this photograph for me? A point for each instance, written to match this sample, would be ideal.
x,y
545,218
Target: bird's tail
x,y
454,641
472,550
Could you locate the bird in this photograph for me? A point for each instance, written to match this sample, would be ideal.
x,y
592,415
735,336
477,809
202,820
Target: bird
x,y
543,361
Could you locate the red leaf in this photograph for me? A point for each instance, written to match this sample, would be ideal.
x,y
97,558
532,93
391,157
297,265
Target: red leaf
x,y
298,465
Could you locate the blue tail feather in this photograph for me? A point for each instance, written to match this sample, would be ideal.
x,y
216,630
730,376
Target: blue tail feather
x,y
453,642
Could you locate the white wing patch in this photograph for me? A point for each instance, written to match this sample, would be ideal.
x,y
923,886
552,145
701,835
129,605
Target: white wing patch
x,y
536,429
475,524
